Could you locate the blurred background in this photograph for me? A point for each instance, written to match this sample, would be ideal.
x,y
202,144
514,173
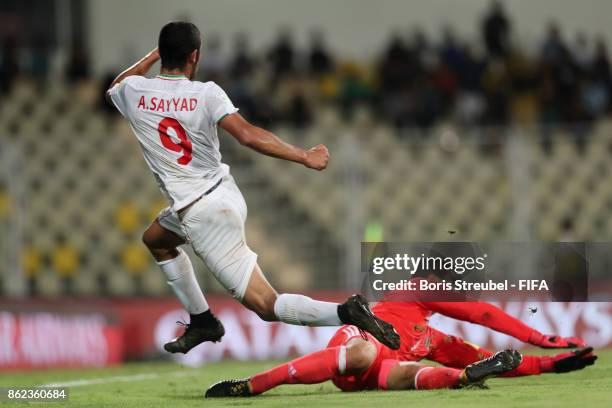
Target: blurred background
x,y
488,118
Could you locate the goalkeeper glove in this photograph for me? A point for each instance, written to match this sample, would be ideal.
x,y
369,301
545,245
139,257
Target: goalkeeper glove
x,y
566,362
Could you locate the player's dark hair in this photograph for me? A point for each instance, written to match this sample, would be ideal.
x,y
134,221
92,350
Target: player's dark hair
x,y
177,40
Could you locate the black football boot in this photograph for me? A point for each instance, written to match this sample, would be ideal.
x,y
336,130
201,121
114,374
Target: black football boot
x,y
229,388
499,363
195,333
356,311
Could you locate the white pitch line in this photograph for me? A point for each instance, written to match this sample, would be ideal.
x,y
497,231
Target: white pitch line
x,y
119,378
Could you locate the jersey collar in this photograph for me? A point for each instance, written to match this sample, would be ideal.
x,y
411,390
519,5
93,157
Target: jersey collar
x,y
171,77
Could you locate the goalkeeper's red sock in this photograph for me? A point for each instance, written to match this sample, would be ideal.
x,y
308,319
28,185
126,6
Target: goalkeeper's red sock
x,y
531,365
536,365
426,378
431,378
311,369
547,363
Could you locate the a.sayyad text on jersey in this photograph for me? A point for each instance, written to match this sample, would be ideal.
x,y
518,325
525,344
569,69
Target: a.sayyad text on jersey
x,y
175,121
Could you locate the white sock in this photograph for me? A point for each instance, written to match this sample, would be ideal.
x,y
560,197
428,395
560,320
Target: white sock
x,y
180,276
304,311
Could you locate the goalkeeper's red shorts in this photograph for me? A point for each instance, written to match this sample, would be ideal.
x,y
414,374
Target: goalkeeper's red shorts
x,y
450,351
369,379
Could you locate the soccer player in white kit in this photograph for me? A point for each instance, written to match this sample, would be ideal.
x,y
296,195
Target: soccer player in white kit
x,y
175,120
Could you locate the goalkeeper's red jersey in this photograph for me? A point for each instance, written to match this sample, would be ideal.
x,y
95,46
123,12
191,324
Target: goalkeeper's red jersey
x,y
411,320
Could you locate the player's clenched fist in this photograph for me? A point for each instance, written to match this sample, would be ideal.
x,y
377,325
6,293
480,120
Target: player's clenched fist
x,y
317,157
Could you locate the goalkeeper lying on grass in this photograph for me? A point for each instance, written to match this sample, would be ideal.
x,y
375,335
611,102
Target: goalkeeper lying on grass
x,y
355,361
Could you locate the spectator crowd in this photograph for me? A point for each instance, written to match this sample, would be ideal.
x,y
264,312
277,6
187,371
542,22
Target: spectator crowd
x,y
415,81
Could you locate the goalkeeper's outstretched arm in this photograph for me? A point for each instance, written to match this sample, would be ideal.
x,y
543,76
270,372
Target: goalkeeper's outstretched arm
x,y
486,314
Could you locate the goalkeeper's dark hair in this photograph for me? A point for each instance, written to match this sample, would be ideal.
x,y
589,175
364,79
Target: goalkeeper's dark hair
x,y
177,40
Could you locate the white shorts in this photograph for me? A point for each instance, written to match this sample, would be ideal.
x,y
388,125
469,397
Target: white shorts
x,y
214,227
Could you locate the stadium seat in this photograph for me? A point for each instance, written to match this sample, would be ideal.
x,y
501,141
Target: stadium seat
x,y
127,218
82,172
65,260
31,261
135,258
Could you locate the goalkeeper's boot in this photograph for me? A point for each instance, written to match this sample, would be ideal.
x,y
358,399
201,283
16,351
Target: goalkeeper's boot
x,y
196,334
499,363
356,311
229,388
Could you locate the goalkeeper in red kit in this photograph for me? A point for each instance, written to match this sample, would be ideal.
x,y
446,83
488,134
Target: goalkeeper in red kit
x,y
354,360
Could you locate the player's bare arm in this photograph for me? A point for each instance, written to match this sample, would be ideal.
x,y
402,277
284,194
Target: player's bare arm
x,y
142,67
268,143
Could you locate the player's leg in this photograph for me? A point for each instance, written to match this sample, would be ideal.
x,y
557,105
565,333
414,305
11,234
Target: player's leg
x,y
215,226
404,375
174,262
351,359
453,351
354,359
261,298
163,242
317,367
409,375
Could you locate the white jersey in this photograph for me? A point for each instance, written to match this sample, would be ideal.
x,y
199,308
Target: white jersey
x,y
175,121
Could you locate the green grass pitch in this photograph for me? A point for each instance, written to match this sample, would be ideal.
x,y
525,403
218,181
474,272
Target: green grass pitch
x,y
170,385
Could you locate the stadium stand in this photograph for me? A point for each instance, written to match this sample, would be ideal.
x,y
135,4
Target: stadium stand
x,y
482,138
82,170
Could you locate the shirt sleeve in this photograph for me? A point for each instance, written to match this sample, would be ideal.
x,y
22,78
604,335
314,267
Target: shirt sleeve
x,y
218,103
484,314
118,94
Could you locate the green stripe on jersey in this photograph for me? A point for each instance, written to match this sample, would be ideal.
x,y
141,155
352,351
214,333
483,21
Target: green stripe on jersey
x,y
172,76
